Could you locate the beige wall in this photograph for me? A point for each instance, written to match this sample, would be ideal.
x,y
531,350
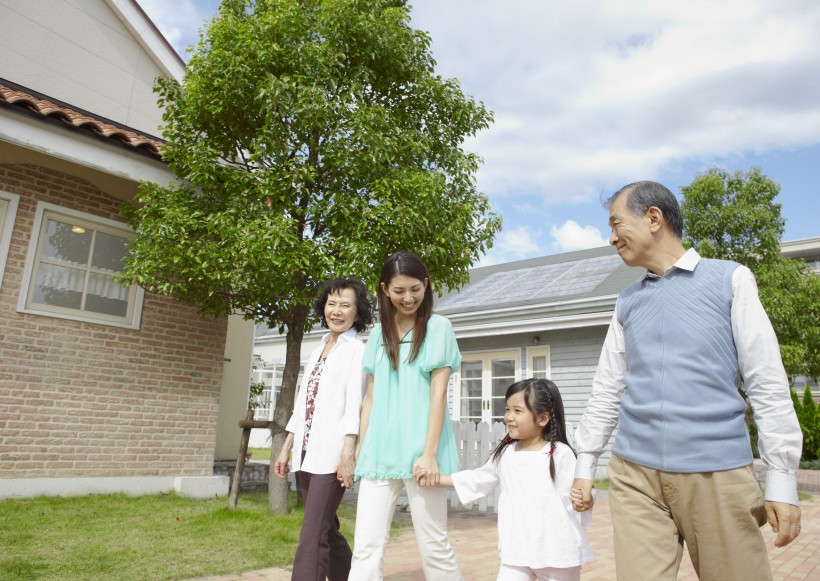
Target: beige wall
x,y
88,400
81,53
233,399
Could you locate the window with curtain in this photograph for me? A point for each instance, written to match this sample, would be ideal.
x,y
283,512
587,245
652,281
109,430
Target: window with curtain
x,y
8,210
71,269
538,362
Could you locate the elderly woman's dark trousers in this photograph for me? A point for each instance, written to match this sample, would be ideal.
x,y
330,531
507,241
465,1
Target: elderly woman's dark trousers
x,y
323,551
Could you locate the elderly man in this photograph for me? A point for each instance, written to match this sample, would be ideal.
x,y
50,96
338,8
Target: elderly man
x,y
680,344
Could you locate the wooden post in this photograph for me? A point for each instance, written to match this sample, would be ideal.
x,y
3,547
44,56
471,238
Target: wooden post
x,y
240,462
247,425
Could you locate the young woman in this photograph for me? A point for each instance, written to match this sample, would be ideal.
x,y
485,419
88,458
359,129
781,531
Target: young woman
x,y
405,424
539,534
322,430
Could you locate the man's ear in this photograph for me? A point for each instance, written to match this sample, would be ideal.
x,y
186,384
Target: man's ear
x,y
656,219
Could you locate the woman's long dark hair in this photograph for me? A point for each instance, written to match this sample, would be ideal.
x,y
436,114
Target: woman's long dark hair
x,y
540,395
408,264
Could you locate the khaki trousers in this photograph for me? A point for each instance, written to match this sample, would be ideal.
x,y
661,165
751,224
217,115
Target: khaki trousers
x,y
718,514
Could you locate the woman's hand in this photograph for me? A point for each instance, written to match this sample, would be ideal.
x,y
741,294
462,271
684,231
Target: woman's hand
x,y
282,465
345,469
425,471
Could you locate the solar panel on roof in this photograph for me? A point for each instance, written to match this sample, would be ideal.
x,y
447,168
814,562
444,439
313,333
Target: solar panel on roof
x,y
549,281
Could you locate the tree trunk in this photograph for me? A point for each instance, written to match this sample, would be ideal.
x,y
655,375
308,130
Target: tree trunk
x,y
278,488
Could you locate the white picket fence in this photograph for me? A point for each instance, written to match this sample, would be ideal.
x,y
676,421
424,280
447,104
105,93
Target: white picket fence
x,y
475,444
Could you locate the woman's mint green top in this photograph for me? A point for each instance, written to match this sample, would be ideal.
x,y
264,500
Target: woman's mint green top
x,y
397,429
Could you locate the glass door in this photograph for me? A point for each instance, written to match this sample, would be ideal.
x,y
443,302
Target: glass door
x,y
484,379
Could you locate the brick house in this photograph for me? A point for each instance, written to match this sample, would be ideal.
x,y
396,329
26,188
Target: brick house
x,y
103,387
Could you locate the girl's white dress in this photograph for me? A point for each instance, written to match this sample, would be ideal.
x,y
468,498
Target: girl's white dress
x,y
537,526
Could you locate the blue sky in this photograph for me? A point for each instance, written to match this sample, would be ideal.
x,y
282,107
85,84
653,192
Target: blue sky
x,y
589,96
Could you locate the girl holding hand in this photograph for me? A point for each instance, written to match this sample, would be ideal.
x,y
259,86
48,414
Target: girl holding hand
x,y
540,536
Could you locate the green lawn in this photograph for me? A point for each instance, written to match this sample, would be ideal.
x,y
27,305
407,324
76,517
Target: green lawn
x,y
159,537
260,453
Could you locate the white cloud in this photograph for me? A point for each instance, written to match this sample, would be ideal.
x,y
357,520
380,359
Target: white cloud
x,y
590,95
179,21
572,236
513,244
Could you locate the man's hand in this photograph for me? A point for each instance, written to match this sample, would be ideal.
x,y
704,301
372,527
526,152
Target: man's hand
x,y
784,519
581,494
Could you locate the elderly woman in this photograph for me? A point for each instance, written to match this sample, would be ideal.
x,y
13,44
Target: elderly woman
x,y
323,428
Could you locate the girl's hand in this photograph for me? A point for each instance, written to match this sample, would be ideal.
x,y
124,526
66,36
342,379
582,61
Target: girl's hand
x,y
282,465
425,471
345,469
576,496
419,476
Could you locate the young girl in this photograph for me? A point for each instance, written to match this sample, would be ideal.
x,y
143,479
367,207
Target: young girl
x,y
404,423
540,536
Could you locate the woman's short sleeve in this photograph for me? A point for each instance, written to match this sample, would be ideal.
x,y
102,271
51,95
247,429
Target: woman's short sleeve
x,y
440,348
371,350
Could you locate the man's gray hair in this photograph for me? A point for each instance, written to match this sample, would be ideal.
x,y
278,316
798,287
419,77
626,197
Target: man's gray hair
x,y
643,195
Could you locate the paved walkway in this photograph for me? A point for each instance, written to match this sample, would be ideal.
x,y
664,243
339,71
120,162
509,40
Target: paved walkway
x,y
473,535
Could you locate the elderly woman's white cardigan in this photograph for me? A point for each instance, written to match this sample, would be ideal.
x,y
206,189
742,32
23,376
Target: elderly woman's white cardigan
x,y
338,402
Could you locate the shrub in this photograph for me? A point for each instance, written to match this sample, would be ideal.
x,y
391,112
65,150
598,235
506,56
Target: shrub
x,y
808,415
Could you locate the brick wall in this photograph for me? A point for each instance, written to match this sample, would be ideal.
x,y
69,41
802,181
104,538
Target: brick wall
x,y
81,399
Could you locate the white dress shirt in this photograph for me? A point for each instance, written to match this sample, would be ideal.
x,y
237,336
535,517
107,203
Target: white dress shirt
x,y
337,405
780,439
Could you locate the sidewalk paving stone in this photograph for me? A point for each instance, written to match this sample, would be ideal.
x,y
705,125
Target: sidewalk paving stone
x,y
474,538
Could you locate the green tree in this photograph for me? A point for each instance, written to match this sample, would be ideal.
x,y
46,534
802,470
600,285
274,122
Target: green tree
x,y
808,414
734,216
311,139
790,293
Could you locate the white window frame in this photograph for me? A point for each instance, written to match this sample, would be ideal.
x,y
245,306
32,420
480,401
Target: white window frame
x,y
8,213
136,295
486,357
271,375
540,351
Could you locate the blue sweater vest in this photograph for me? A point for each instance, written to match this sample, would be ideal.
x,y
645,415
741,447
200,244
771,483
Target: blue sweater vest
x,y
681,411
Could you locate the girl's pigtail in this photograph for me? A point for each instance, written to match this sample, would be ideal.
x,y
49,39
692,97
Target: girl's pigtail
x,y
505,441
551,433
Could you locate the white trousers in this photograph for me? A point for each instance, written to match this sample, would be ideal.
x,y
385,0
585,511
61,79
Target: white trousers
x,y
511,573
374,513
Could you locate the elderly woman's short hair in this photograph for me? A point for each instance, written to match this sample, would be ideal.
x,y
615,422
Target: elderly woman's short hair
x,y
364,312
